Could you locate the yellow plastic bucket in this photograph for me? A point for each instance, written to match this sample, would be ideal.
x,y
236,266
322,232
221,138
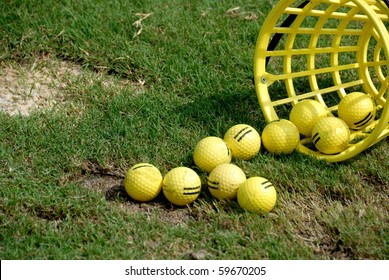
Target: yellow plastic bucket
x,y
324,50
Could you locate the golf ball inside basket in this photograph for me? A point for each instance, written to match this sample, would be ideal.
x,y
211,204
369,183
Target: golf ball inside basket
x,y
357,110
224,181
305,114
330,135
181,186
243,140
210,152
143,182
280,137
257,194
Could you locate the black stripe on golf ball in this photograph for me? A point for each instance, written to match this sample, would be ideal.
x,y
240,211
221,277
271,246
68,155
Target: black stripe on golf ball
x,y
192,189
267,184
239,135
365,120
247,132
316,138
141,166
213,185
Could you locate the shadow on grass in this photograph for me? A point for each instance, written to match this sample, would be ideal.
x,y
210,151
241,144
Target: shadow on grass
x,y
221,110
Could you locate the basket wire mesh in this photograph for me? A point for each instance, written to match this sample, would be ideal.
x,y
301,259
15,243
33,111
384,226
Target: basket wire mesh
x,y
323,50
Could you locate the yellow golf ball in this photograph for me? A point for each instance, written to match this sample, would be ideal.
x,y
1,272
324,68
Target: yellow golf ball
x,y
330,135
280,137
305,114
357,110
257,194
210,152
224,181
243,140
143,182
181,186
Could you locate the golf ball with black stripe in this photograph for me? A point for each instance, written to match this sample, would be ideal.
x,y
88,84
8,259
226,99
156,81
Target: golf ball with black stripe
x,y
330,135
243,140
257,194
224,181
181,186
357,110
143,182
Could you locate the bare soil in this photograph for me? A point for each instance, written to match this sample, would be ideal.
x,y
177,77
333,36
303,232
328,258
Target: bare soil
x,y
34,85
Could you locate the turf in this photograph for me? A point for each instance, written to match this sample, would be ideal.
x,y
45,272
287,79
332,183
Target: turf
x,y
186,74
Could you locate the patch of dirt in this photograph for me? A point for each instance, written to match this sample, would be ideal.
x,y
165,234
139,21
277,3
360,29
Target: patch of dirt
x,y
44,82
111,185
109,181
36,85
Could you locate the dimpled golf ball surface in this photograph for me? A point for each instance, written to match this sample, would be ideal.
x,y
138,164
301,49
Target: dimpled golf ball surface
x,y
280,137
357,110
330,135
305,114
243,140
181,186
257,194
224,181
143,182
210,152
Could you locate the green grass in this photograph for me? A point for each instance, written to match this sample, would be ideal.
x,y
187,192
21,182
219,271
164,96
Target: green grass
x,y
195,61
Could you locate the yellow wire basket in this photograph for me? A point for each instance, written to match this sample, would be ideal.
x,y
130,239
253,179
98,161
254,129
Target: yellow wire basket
x,y
324,50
